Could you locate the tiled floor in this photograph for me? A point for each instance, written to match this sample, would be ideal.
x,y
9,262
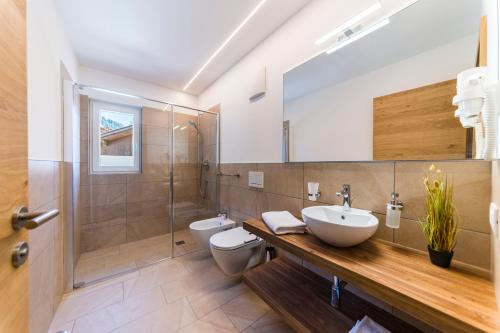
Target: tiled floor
x,y
186,294
99,264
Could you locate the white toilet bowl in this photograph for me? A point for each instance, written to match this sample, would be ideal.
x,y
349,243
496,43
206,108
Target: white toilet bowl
x,y
236,250
204,229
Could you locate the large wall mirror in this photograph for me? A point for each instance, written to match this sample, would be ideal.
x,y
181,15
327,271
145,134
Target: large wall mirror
x,y
385,94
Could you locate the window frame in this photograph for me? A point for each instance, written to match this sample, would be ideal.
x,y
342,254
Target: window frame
x,y
95,167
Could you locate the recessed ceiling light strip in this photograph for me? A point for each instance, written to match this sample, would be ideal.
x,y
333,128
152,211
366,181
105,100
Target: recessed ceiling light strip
x,y
231,36
350,22
358,36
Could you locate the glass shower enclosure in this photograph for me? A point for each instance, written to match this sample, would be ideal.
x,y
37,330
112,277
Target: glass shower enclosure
x,y
146,169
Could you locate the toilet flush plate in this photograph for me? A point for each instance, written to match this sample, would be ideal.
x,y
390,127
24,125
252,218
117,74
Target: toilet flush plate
x,y
256,179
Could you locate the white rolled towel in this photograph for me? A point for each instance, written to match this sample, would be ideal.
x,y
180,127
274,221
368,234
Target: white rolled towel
x,y
283,223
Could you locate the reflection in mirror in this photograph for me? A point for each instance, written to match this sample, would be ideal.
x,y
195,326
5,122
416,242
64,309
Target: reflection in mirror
x,y
387,95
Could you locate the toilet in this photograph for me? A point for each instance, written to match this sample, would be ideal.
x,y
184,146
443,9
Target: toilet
x,y
204,229
236,250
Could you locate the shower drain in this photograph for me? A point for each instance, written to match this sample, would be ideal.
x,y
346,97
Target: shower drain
x,y
181,242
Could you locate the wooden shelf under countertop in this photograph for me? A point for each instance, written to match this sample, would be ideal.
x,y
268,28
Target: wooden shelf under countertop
x,y
451,300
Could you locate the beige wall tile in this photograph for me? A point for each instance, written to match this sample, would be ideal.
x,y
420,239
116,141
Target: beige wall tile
x,y
147,228
100,237
102,195
245,200
146,210
224,197
41,183
41,290
371,183
473,248
99,214
46,244
43,236
150,191
84,151
155,117
275,202
383,232
84,106
239,217
186,171
472,182
186,190
156,135
410,234
155,165
283,178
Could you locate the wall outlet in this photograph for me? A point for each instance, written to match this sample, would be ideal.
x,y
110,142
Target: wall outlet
x,y
256,179
494,219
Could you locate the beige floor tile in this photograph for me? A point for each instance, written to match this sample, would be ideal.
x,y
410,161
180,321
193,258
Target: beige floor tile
x,y
119,314
68,327
215,295
245,309
214,322
197,261
77,306
154,276
167,319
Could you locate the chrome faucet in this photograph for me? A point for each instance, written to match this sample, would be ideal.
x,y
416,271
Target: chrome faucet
x,y
345,193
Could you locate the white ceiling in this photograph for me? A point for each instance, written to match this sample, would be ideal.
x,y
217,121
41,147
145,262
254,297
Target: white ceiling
x,y
416,29
165,42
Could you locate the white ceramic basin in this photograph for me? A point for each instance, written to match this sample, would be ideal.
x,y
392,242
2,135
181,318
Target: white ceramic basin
x,y
338,228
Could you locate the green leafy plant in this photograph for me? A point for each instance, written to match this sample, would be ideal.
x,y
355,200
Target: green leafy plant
x,y
441,223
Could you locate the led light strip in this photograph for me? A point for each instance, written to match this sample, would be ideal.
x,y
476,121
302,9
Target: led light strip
x,y
350,22
231,36
358,36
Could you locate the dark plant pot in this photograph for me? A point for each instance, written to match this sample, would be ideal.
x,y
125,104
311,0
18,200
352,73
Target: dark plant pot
x,y
441,259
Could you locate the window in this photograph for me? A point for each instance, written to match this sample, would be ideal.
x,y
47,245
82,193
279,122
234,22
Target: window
x,y
116,133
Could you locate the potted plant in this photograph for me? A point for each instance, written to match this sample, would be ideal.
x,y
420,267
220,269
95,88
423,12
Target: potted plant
x,y
441,221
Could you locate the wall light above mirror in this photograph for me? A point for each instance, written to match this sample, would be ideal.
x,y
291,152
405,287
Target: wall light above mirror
x,y
383,89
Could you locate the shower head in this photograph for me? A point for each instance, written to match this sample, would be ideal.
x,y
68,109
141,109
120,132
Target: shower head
x,y
192,123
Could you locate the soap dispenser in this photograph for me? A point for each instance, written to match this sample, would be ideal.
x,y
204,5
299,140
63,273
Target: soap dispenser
x,y
393,213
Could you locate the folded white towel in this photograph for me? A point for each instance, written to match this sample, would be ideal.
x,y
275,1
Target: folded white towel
x,y
367,325
283,223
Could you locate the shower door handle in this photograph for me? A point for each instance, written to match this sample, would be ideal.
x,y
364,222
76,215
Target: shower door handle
x,y
22,218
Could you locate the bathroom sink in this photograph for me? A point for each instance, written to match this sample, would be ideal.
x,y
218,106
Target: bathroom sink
x,y
340,228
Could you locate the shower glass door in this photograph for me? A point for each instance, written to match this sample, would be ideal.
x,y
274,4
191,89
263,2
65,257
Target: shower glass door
x,y
122,197
195,164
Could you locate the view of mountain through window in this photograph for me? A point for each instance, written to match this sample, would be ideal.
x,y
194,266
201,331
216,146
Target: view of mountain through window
x,y
116,130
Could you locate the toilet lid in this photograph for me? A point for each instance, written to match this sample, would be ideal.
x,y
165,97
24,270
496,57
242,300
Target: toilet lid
x,y
233,239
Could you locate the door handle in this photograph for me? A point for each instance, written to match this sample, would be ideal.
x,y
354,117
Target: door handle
x,y
22,218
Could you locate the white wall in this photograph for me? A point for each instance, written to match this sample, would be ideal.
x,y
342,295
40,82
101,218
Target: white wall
x,y
49,52
126,85
251,132
336,123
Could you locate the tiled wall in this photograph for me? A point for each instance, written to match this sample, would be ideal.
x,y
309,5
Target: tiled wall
x,y
46,244
372,183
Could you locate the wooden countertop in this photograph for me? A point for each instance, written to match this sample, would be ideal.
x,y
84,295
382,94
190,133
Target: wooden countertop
x,y
451,300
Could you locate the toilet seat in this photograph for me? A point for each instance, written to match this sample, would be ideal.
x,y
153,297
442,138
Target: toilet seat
x,y
234,239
